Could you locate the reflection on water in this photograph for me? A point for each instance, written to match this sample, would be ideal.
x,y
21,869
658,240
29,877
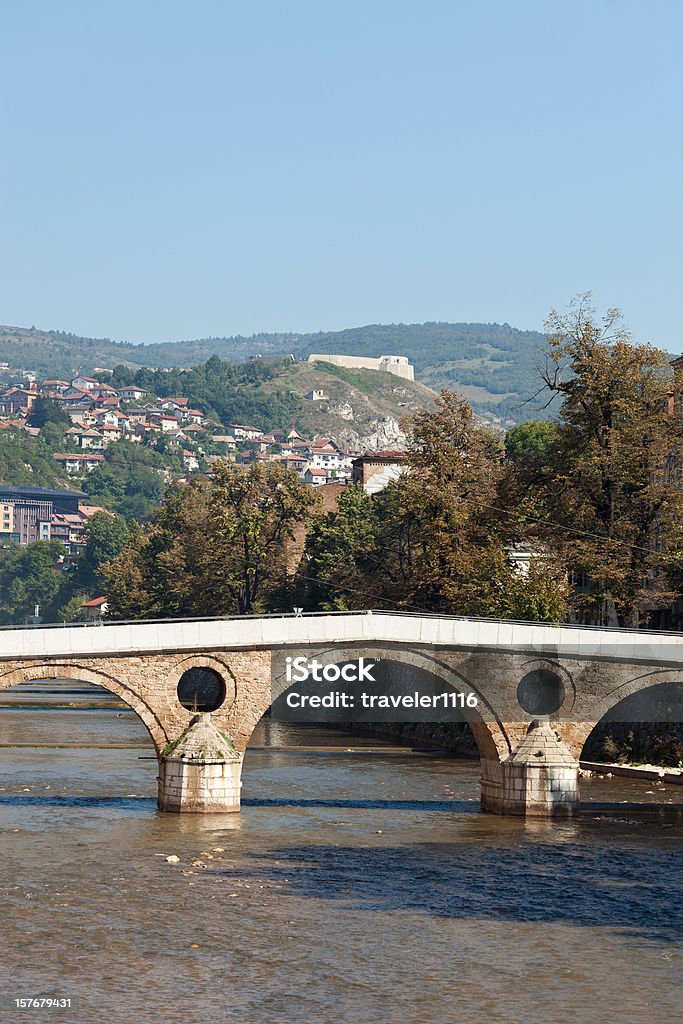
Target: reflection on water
x,y
359,883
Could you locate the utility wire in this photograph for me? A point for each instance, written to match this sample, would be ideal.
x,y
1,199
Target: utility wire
x,y
359,593
560,526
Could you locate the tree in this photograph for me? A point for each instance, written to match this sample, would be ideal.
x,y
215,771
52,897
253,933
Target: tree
x,y
444,548
45,410
436,539
254,514
28,460
341,549
224,546
528,447
105,537
128,579
32,576
133,479
613,497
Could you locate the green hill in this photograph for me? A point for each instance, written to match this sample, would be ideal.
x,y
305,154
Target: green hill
x,y
493,365
360,408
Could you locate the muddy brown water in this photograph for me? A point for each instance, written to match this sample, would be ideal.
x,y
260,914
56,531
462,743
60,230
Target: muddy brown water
x,y
359,883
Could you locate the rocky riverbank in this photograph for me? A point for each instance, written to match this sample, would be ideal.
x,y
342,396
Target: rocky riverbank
x,y
657,744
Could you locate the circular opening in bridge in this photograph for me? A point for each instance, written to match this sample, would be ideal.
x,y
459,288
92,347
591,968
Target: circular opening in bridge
x,y
541,692
201,689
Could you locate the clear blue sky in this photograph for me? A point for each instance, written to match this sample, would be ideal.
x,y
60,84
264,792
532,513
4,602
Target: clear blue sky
x,y
175,170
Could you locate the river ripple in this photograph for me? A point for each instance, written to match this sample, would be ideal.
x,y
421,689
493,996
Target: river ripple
x,y
354,886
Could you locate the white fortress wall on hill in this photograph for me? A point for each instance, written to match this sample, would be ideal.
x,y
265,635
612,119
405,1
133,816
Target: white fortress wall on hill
x,y
398,365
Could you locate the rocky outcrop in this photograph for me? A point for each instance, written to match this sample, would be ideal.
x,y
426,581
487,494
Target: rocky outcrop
x,y
384,432
344,410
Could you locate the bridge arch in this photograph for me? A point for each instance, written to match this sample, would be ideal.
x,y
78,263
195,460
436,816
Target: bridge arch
x,y
81,673
653,681
636,684
488,730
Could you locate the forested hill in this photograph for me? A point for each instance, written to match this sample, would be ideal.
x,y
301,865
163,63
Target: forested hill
x,y
493,365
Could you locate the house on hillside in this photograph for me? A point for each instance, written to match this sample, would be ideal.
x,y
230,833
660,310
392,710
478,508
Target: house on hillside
x,y
299,463
86,438
137,415
106,402
17,402
315,477
74,462
53,387
326,454
241,432
74,398
194,416
86,384
110,432
172,404
109,418
225,440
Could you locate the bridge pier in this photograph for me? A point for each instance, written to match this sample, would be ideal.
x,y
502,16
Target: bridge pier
x,y
539,779
201,771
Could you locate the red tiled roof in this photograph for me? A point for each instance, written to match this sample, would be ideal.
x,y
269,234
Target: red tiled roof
x,y
64,457
91,510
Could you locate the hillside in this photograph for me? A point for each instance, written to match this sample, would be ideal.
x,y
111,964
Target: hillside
x,y
493,365
363,408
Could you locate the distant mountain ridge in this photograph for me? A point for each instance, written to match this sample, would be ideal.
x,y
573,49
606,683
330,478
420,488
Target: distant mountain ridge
x,y
493,365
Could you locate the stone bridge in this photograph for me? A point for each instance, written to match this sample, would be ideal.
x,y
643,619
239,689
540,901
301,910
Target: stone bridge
x,y
539,689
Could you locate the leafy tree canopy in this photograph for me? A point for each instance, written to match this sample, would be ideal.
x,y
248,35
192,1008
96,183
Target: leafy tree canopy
x,y
214,547
45,410
227,392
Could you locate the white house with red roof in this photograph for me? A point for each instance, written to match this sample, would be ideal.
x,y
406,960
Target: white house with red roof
x,y
315,476
95,609
174,403
86,384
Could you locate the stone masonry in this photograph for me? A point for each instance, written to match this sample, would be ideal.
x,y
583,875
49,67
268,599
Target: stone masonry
x,y
529,764
201,772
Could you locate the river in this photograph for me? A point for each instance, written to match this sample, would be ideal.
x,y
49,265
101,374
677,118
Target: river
x,y
360,883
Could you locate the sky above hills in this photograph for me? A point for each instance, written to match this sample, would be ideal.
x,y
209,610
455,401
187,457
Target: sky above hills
x,y
175,170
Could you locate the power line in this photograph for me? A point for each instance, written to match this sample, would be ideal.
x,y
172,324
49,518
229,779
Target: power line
x,y
359,593
560,526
